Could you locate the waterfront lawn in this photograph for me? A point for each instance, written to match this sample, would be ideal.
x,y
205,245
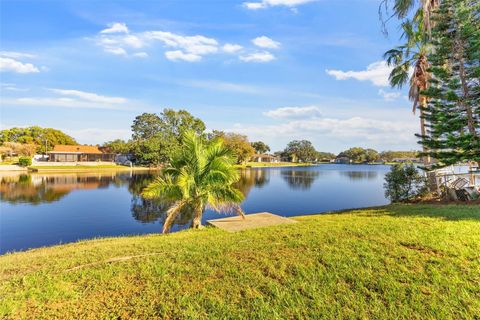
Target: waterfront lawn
x,y
395,262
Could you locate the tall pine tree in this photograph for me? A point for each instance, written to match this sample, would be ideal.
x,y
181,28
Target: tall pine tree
x,y
453,112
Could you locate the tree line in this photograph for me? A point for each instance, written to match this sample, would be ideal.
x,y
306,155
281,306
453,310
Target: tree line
x,y
157,137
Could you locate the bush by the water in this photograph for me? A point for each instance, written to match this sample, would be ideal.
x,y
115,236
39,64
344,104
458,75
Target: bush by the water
x,y
25,161
404,183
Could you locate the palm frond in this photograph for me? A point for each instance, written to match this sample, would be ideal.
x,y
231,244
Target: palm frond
x,y
162,187
399,75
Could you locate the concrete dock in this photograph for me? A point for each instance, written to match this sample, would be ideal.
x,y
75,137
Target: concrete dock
x,y
251,221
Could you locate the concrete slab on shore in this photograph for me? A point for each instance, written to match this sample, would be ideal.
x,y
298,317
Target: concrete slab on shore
x,y
251,221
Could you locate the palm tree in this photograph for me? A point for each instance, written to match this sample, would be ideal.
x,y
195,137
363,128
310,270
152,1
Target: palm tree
x,y
402,9
200,176
411,57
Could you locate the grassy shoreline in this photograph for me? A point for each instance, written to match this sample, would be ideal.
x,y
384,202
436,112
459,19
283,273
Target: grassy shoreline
x,y
81,168
399,261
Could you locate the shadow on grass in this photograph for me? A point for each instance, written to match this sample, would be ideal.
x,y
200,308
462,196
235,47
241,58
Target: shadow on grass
x,y
452,212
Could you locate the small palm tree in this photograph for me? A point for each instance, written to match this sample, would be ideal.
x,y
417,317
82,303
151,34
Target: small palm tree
x,y
200,176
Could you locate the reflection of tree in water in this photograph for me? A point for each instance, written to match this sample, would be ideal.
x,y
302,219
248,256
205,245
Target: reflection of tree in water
x,y
45,188
360,175
250,178
300,179
152,210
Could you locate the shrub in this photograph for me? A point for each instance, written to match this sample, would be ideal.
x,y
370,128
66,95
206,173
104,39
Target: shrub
x,y
404,183
25,161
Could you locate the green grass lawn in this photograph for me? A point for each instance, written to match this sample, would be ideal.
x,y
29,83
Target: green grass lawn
x,y
396,262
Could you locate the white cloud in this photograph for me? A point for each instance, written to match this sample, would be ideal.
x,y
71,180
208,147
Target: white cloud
x,y
119,40
389,96
57,102
368,132
133,41
294,113
116,51
17,55
231,48
12,87
116,27
198,45
264,56
220,86
179,55
266,42
272,3
189,48
12,65
141,55
376,72
89,96
69,99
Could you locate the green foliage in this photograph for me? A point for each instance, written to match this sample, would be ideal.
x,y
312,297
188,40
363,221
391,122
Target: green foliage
x,y
390,155
303,150
360,155
36,135
118,146
237,143
25,161
404,183
201,174
325,155
157,137
453,110
260,147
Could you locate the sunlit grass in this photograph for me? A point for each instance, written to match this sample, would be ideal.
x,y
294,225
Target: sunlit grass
x,y
396,262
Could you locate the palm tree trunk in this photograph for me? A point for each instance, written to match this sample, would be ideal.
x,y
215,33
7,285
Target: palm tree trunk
x,y
197,217
423,103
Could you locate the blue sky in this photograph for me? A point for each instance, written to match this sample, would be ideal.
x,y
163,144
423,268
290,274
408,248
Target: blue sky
x,y
275,70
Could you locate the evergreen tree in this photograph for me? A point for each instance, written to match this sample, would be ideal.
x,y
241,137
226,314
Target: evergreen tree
x,y
452,112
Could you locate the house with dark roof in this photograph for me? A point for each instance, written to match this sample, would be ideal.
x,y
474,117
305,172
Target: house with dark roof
x,y
79,153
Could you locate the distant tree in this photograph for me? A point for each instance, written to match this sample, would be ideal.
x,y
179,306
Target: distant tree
x,y
302,149
156,138
371,155
146,126
260,147
38,136
118,146
237,143
200,175
390,155
21,149
324,156
359,155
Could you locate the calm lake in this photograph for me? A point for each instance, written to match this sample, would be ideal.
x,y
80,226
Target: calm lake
x,y
44,209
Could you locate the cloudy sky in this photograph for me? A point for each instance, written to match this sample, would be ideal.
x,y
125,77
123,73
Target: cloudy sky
x,y
276,70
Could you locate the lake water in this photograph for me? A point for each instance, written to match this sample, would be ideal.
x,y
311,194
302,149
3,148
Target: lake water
x,y
44,209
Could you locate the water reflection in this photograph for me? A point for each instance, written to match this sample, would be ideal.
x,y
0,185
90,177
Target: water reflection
x,y
300,179
250,178
36,188
359,175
